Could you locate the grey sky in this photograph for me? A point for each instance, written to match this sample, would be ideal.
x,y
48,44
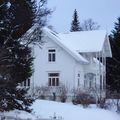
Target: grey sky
x,y
104,12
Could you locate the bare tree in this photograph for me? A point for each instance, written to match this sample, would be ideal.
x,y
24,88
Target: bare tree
x,y
99,95
42,13
89,25
62,91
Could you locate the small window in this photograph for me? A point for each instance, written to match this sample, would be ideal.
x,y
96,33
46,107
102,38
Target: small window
x,y
26,83
78,77
51,55
53,79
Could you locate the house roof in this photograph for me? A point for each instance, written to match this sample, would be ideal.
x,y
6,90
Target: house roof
x,y
84,41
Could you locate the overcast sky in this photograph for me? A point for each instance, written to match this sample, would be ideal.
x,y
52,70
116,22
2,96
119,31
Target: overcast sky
x,y
104,12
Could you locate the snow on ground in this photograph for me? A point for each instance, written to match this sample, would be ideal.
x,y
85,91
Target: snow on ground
x,y
18,114
47,109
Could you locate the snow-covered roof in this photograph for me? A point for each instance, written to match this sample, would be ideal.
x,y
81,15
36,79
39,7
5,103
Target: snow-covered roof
x,y
78,42
84,41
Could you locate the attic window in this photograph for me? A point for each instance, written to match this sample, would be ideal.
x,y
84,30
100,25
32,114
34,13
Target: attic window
x,y
51,55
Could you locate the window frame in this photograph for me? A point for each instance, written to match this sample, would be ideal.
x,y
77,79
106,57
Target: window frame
x,y
78,78
91,82
26,83
53,79
51,55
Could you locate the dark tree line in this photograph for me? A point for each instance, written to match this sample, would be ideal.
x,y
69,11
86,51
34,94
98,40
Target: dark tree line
x,y
113,64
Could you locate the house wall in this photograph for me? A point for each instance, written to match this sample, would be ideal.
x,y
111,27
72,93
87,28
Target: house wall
x,y
65,64
92,67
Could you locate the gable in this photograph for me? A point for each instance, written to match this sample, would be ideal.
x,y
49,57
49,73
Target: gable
x,y
107,48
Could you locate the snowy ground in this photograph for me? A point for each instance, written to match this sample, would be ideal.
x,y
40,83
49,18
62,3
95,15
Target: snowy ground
x,y
48,109
71,112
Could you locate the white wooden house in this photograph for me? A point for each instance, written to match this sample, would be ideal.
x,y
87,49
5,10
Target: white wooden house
x,y
76,59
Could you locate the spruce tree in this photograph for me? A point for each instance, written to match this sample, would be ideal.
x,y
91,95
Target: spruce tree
x,y
16,17
75,25
113,64
15,60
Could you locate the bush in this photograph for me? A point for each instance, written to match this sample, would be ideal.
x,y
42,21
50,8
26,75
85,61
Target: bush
x,y
83,98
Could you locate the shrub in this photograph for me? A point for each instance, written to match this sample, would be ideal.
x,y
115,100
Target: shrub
x,y
83,98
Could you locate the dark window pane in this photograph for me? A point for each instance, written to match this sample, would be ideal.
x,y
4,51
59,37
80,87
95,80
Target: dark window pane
x,y
53,57
57,81
53,74
49,82
24,83
28,82
49,57
53,81
51,50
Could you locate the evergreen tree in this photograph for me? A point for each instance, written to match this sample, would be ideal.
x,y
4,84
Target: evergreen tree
x,y
21,14
113,64
15,61
75,25
16,17
15,67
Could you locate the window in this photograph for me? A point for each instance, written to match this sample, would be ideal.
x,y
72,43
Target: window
x,y
26,83
53,79
51,55
89,80
78,77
